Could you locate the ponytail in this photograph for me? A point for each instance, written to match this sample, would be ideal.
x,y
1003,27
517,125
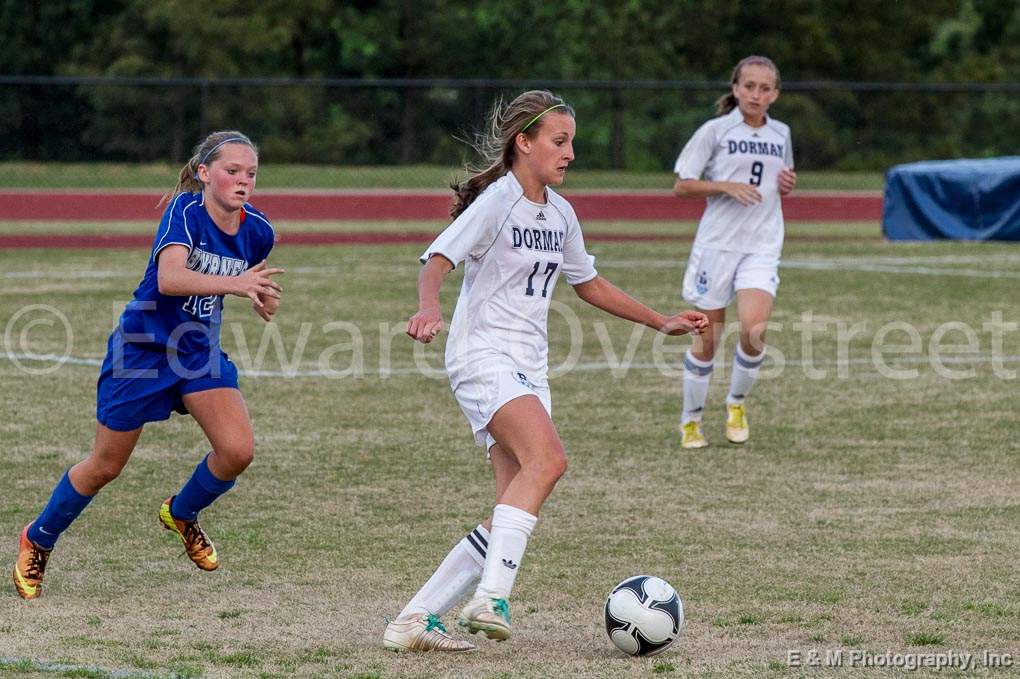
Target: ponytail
x,y
187,182
725,104
466,191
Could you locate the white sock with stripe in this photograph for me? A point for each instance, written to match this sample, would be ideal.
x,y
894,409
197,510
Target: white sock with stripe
x,y
745,372
456,576
511,528
697,375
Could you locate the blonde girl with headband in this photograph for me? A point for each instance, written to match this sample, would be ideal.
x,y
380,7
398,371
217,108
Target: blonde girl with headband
x,y
164,355
514,235
742,162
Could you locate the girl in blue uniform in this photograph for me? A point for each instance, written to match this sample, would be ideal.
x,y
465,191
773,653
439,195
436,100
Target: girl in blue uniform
x,y
164,355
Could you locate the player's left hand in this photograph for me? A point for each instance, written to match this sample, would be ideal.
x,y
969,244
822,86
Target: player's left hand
x,y
787,180
269,307
692,322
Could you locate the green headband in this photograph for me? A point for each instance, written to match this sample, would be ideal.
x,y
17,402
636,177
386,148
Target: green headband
x,y
540,115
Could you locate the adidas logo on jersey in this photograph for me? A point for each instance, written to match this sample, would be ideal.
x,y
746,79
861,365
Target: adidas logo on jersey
x,y
540,216
509,564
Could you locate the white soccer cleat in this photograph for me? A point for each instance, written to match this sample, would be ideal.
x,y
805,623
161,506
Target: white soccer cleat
x,y
737,429
487,615
692,436
424,633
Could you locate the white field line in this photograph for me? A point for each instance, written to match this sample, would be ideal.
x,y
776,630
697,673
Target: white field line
x,y
593,366
861,267
65,274
890,265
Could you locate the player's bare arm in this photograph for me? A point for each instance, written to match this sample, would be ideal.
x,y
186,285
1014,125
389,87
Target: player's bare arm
x,y
427,322
604,295
745,194
176,279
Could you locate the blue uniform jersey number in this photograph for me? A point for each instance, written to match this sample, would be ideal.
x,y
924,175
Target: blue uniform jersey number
x,y
201,307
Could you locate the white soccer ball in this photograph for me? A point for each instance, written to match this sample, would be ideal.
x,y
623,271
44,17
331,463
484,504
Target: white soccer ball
x,y
644,615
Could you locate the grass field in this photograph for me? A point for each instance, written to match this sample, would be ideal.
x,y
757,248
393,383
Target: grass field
x,y
871,509
273,176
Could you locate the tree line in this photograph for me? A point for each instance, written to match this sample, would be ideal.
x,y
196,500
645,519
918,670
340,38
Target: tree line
x,y
909,41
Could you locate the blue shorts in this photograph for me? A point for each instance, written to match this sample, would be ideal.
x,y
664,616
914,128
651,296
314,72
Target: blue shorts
x,y
139,384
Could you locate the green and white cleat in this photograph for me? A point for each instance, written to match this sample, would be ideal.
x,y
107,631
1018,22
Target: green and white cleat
x,y
692,436
486,615
424,633
737,429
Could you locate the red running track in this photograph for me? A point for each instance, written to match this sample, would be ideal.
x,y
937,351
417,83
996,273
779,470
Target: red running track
x,y
103,241
403,205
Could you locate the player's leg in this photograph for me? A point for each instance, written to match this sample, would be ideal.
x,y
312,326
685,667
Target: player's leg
x,y
525,433
460,571
754,306
418,627
708,286
72,494
699,363
223,416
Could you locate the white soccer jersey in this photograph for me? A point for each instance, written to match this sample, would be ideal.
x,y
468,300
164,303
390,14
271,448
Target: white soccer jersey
x,y
726,149
514,250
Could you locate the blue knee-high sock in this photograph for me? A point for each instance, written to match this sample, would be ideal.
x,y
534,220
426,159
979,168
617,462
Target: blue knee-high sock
x,y
64,507
199,492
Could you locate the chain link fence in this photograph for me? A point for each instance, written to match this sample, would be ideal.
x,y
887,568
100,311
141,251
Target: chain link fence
x,y
622,124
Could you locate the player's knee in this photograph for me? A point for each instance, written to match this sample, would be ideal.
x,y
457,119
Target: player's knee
x,y
551,466
559,464
104,471
238,453
753,342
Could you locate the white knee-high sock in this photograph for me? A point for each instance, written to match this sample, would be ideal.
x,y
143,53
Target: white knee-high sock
x,y
697,375
745,371
511,528
456,576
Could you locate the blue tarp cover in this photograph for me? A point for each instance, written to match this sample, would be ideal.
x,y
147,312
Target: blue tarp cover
x,y
957,199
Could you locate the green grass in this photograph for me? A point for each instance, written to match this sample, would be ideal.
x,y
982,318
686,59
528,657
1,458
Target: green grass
x,y
925,639
296,177
865,509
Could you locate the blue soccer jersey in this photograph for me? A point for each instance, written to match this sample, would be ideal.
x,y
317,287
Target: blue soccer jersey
x,y
191,325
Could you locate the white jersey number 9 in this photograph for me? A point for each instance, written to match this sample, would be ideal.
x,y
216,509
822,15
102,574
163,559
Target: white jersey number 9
x,y
756,169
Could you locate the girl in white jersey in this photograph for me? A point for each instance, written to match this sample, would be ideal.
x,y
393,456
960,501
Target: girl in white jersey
x,y
742,162
515,236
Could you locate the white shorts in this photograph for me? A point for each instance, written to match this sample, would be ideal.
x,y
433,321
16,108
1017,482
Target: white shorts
x,y
484,393
713,277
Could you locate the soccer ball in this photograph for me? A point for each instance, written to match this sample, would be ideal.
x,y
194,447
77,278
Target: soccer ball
x,y
644,615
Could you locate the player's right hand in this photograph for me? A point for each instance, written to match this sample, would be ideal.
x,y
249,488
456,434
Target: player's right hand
x,y
258,281
745,194
425,325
